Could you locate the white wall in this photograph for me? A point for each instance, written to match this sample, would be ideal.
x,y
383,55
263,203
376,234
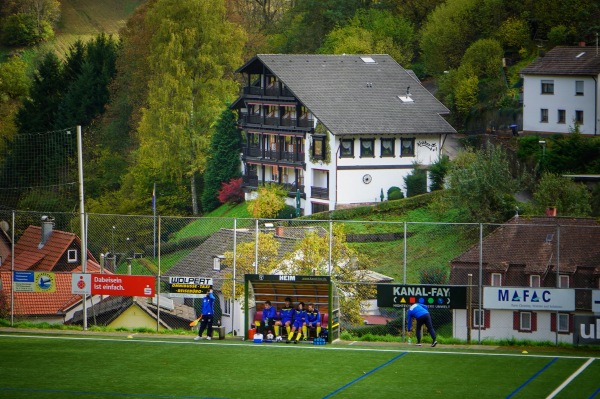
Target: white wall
x,y
563,98
501,327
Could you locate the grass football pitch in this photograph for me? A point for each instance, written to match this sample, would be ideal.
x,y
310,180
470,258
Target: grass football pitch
x,y
91,366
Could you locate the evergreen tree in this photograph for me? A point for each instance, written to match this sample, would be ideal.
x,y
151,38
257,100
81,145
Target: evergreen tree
x,y
223,163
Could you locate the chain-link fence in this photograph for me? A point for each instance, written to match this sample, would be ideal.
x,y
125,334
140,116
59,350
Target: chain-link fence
x,y
528,279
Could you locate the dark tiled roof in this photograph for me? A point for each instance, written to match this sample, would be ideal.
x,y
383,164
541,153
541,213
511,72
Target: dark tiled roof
x,y
532,242
350,96
563,60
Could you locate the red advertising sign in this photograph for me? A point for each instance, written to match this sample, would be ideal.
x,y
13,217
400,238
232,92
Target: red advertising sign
x,y
123,285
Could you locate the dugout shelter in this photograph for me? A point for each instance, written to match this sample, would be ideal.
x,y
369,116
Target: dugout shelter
x,y
319,290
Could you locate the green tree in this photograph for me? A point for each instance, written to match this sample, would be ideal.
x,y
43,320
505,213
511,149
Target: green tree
x,y
348,268
438,171
569,198
191,66
245,257
269,201
415,182
223,163
482,187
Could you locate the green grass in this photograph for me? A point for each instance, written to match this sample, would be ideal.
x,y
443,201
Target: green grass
x,y
92,366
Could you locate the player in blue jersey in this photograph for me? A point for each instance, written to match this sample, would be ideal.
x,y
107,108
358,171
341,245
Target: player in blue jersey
x,y
286,318
207,315
313,320
268,318
421,314
299,323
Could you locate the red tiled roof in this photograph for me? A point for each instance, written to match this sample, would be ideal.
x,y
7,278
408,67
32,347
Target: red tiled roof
x,y
39,303
28,255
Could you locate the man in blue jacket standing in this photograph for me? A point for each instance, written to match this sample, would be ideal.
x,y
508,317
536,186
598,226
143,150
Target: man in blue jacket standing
x,y
421,314
207,315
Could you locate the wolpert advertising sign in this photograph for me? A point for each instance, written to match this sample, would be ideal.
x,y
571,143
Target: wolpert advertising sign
x,y
434,296
112,284
25,281
518,298
586,330
189,287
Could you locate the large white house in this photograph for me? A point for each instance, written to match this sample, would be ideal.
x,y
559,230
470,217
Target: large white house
x,y
560,90
341,129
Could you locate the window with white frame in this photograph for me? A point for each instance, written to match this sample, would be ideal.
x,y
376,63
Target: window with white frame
x,y
563,281
496,280
579,117
525,321
563,322
579,87
217,262
562,116
544,115
534,280
547,87
478,318
72,255
227,307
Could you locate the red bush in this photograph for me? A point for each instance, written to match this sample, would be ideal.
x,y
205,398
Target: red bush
x,y
231,192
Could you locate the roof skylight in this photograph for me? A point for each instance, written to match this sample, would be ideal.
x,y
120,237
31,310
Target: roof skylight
x,y
368,60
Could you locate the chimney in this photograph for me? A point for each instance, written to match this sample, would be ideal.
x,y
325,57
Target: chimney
x,y
279,231
47,225
551,211
581,44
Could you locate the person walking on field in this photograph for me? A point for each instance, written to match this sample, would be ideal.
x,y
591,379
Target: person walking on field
x,y
208,313
421,314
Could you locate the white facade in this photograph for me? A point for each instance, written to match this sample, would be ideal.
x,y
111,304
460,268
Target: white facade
x,y
552,104
501,327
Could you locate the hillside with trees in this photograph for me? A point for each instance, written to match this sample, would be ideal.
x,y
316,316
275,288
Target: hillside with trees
x,y
150,99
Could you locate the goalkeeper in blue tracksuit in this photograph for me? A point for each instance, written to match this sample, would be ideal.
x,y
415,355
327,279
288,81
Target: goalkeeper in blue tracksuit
x,y
421,314
207,315
268,318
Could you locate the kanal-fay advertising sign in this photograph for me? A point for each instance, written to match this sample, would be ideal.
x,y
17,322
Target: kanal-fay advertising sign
x,y
112,284
434,296
525,298
586,330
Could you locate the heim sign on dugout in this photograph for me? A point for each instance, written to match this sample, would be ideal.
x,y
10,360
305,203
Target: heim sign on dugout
x,y
433,296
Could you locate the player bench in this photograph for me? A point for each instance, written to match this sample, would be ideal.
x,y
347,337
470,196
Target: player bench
x,y
311,331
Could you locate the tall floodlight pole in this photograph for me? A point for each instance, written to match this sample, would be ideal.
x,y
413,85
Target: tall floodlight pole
x,y
82,219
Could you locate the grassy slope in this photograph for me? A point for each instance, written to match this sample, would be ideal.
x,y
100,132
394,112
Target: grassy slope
x,y
83,20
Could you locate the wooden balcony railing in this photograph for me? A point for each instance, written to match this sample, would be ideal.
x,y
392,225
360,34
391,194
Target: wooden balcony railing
x,y
319,192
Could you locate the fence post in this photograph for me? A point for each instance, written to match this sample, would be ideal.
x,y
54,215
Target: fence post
x,y
469,306
330,244
480,311
234,265
158,280
404,282
12,272
557,277
255,249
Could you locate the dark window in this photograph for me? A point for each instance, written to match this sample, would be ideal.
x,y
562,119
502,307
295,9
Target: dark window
x,y
544,115
579,117
318,147
547,87
407,148
367,148
561,116
347,148
317,207
579,87
387,147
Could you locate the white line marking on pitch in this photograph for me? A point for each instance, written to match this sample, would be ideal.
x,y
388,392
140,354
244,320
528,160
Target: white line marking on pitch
x,y
571,378
273,346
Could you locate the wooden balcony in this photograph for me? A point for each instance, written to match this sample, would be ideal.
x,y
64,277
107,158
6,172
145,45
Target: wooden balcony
x,y
306,124
273,155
